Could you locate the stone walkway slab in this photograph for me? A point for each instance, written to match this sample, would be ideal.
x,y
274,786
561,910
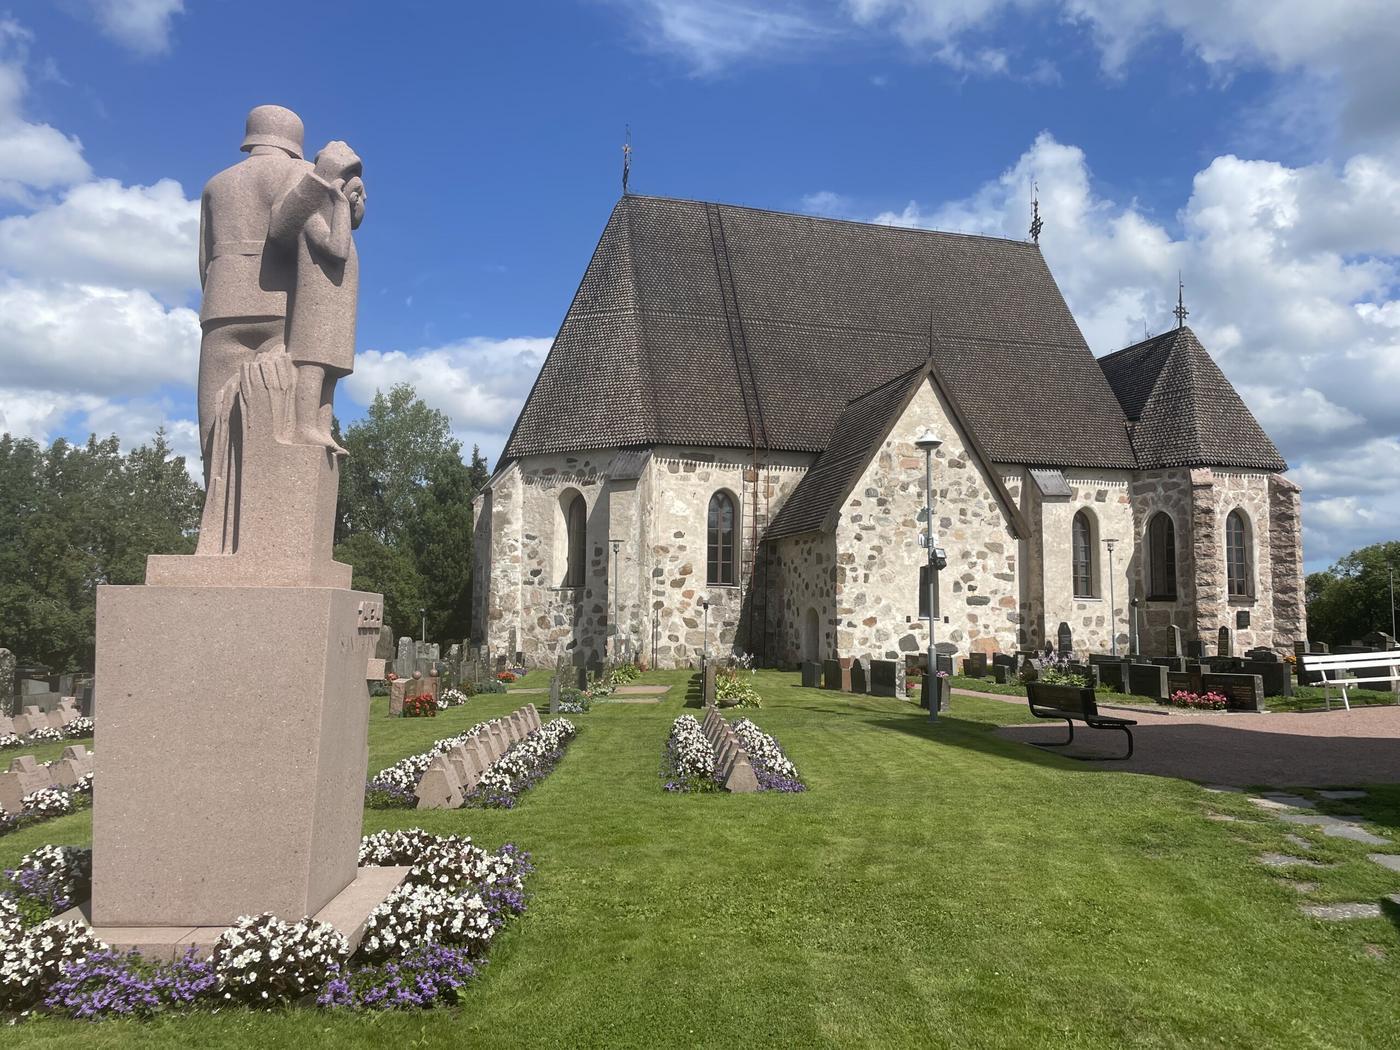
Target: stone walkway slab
x,y
1340,795
1341,912
1385,860
1285,799
1352,833
1283,860
641,690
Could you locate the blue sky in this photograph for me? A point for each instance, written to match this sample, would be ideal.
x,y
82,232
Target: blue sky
x,y
1253,145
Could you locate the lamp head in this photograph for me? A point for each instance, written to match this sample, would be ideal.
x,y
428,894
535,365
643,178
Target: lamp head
x,y
928,440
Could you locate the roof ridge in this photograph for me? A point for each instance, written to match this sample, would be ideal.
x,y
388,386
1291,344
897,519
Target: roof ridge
x,y
1143,342
1028,245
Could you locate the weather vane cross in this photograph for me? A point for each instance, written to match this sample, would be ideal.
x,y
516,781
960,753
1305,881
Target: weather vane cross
x,y
626,159
1037,224
1181,313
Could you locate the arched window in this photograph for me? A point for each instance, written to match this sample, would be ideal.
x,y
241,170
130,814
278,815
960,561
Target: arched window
x,y
719,545
1161,557
1082,555
576,527
1237,574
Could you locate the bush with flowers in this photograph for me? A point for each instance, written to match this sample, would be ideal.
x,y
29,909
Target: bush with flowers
x,y
688,762
1207,701
80,728
522,767
422,945
506,676
47,803
451,698
772,767
421,706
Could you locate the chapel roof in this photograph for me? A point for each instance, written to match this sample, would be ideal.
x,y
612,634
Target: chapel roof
x,y
1182,410
716,325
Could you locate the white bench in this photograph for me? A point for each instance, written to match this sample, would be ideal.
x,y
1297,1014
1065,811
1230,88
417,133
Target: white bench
x,y
1347,670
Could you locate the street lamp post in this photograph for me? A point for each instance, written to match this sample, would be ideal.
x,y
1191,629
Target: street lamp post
x,y
705,648
1391,567
616,632
1112,600
423,627
928,441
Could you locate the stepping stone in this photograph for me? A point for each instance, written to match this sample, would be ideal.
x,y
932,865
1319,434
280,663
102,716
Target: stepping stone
x,y
1375,951
1300,887
1222,817
1339,912
1268,803
1385,860
1224,789
1316,820
1285,799
1297,840
1352,833
1339,795
1283,860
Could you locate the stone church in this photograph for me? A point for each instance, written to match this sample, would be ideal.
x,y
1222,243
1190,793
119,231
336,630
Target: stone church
x,y
718,454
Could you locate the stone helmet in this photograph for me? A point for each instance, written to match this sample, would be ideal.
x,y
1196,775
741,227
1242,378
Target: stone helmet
x,y
273,126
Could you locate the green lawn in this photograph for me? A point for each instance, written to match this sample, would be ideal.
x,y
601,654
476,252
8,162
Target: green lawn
x,y
936,886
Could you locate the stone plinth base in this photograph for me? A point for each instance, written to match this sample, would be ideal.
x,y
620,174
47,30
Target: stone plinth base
x,y
348,912
230,778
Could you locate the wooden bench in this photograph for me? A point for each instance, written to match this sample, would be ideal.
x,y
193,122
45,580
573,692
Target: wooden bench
x,y
1338,671
1075,703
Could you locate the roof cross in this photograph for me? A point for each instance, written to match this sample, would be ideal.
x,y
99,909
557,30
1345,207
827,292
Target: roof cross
x,y
1036,223
1180,312
626,159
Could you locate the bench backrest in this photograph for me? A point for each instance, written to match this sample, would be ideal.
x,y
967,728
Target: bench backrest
x,y
1074,699
1383,667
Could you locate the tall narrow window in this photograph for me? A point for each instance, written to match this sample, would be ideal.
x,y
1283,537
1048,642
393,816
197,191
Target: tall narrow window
x,y
1161,557
576,524
1237,555
720,542
1082,555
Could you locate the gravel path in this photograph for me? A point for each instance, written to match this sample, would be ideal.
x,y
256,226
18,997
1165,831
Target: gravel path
x,y
1314,749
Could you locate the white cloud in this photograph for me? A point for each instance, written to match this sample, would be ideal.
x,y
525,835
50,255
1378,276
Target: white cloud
x,y
712,34
93,339
105,233
142,26
32,156
479,383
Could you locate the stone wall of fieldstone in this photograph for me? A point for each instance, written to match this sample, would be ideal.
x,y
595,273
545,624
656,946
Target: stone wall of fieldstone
x,y
878,554
659,574
1285,539
1218,492
1169,492
1104,495
802,572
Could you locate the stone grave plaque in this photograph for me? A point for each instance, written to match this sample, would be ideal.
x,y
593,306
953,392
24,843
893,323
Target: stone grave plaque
x,y
1148,680
975,665
884,678
1064,640
811,675
860,680
708,684
1178,643
1195,649
1171,663
1276,676
1188,680
1242,692
1001,674
1112,675
831,674
1225,644
945,662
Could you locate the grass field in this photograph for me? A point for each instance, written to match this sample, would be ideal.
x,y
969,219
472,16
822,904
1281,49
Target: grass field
x,y
936,886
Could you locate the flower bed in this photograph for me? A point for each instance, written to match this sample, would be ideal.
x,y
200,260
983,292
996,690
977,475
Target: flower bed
x,y
688,763
1198,701
422,944
451,698
78,729
734,688
522,767
501,784
421,706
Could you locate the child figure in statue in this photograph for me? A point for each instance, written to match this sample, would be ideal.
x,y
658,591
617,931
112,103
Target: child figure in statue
x,y
320,211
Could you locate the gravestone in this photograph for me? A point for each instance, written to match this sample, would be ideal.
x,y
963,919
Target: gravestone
x,y
554,694
1113,675
1242,692
884,678
405,658
708,694
1148,680
945,662
1187,680
1008,661
831,674
1225,642
1195,649
1306,648
811,675
452,665
1379,641
1275,674
1064,640
384,646
975,665
7,682
860,679
1001,674
1178,644
1171,663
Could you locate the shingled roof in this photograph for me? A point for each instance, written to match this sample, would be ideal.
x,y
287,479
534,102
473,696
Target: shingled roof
x,y
713,325
1183,411
860,431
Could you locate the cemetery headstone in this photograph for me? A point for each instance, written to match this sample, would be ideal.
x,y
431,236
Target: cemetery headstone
x,y
831,674
709,695
7,682
1171,663
884,678
1195,649
860,679
1113,675
1187,680
1178,644
1064,640
1242,692
811,674
1275,675
975,665
1149,680
1225,643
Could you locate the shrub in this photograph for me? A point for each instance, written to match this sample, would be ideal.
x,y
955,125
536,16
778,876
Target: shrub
x,y
451,698
624,673
735,689
507,676
264,960
421,706
490,685
574,701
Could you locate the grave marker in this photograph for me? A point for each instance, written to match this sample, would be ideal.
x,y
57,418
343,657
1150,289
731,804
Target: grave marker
x,y
1242,692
